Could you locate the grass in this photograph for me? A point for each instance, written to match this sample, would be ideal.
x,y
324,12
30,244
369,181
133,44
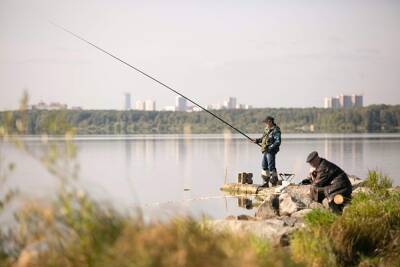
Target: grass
x,y
367,233
76,231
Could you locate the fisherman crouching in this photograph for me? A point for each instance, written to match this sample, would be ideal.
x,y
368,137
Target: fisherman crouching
x,y
269,142
328,181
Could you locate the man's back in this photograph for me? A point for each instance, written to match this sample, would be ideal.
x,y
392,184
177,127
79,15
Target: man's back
x,y
329,174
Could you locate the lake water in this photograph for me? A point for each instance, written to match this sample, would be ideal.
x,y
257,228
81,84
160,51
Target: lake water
x,y
181,174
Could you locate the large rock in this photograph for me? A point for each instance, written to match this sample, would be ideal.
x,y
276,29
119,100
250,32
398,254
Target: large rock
x,y
300,214
300,194
361,190
273,229
316,205
288,205
269,208
289,221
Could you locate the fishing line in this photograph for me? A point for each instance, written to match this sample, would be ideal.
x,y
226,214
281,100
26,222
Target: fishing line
x,y
152,78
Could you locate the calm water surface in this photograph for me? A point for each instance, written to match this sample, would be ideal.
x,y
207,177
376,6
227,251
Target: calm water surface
x,y
152,171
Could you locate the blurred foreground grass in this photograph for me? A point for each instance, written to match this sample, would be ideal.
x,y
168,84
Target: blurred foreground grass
x,y
74,230
366,234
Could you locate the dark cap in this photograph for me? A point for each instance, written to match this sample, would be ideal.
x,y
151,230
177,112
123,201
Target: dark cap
x,y
312,156
268,118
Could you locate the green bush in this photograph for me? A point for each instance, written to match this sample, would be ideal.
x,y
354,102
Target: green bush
x,y
367,233
312,244
378,182
79,232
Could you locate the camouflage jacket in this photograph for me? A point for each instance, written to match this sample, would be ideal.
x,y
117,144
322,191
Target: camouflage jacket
x,y
271,140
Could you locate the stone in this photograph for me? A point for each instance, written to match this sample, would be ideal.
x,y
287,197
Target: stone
x,y
287,205
325,203
361,190
316,205
269,208
289,221
272,230
245,217
301,213
356,181
301,194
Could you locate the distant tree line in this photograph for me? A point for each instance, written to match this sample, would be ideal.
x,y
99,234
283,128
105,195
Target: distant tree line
x,y
375,118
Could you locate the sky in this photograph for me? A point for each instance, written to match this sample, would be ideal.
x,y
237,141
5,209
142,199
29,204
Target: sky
x,y
265,53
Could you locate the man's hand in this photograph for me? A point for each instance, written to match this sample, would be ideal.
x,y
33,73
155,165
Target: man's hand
x,y
305,181
314,174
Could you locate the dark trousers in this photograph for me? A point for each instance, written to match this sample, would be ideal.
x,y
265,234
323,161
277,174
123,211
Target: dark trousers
x,y
268,162
319,193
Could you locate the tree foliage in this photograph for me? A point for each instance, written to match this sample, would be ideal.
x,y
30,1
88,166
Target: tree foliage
x,y
375,118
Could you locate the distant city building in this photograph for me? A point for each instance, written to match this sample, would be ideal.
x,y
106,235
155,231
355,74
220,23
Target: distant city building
x,y
139,105
180,104
127,101
169,108
240,106
230,103
335,103
40,106
52,106
193,109
331,102
328,102
216,106
345,101
150,105
357,100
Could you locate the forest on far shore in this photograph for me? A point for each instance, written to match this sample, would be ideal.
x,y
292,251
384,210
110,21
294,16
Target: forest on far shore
x,y
370,119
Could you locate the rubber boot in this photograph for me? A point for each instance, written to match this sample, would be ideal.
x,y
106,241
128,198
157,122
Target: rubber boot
x,y
274,178
265,175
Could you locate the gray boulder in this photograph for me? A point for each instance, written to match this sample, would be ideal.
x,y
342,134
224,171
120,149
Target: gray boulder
x,y
272,229
269,208
287,205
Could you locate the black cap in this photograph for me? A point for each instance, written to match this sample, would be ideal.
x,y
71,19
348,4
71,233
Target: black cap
x,y
268,118
312,156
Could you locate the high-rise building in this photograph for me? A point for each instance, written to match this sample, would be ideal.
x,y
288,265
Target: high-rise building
x,y
150,105
328,102
345,101
127,101
139,105
169,108
180,103
230,103
357,100
331,102
335,103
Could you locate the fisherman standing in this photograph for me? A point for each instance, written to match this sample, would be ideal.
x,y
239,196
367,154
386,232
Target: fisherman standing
x,y
327,181
270,142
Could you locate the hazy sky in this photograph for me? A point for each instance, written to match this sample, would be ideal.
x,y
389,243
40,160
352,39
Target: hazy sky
x,y
266,53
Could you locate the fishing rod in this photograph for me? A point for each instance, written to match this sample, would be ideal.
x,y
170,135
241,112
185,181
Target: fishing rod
x,y
152,78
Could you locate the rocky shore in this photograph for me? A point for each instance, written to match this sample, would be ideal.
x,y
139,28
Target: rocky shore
x,y
279,212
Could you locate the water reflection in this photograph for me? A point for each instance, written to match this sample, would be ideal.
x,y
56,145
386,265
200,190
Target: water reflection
x,y
148,170
244,202
348,152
